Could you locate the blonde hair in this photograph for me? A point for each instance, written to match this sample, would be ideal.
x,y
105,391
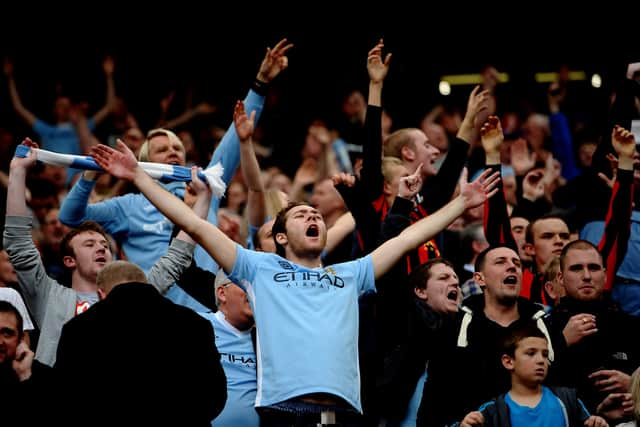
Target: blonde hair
x,y
552,269
143,155
119,272
388,166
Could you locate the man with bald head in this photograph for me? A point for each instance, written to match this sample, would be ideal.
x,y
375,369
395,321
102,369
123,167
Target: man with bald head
x,y
137,343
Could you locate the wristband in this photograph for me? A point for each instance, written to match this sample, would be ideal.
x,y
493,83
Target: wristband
x,y
259,87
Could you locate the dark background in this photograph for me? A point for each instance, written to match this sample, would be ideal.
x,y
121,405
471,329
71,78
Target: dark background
x,y
216,52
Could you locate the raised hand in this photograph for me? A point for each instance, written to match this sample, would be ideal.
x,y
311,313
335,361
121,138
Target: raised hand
x,y
623,141
478,103
197,185
491,135
375,66
121,163
244,124
25,162
342,178
274,62
533,185
522,160
477,192
410,185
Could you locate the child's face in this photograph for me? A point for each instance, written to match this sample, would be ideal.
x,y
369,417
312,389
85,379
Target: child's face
x,y
531,361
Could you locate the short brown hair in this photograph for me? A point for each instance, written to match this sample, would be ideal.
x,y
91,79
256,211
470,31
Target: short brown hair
x,y
280,225
518,332
394,143
583,245
420,276
65,244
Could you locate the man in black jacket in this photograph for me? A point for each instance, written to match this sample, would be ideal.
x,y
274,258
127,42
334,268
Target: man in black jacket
x,y
597,343
465,370
149,360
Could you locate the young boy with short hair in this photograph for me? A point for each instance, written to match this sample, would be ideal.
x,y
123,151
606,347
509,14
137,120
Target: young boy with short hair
x,y
529,403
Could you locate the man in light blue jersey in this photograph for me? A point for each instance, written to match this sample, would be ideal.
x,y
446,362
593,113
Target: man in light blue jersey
x,y
306,313
233,326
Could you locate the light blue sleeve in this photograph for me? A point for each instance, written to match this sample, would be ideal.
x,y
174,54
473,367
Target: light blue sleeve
x,y
110,214
228,154
228,151
246,266
366,276
74,207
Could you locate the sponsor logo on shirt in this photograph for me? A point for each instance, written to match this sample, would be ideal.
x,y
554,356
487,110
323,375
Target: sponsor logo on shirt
x,y
82,306
286,265
312,279
237,359
156,227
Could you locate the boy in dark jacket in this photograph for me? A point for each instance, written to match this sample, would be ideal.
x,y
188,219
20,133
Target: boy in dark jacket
x,y
528,402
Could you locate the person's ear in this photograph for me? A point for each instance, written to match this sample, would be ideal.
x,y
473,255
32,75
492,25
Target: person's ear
x,y
281,239
220,294
529,249
386,188
478,277
407,153
69,261
507,362
421,293
548,287
101,294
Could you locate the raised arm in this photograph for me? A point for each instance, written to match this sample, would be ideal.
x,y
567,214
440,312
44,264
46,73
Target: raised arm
x,y
613,245
228,151
27,115
16,201
122,164
274,62
256,203
471,195
438,190
108,66
371,176
497,226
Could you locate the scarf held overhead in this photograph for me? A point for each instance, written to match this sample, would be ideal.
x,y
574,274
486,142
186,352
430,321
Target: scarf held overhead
x,y
160,171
